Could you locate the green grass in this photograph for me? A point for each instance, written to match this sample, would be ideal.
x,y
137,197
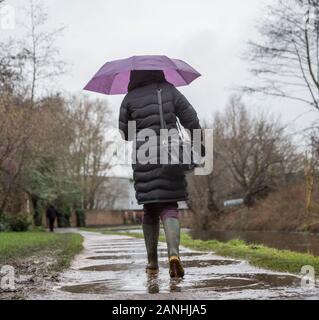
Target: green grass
x,y
15,246
257,255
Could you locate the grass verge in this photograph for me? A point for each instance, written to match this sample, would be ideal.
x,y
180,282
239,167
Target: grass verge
x,y
258,255
60,247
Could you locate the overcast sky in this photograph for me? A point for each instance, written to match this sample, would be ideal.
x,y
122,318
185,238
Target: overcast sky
x,y
209,35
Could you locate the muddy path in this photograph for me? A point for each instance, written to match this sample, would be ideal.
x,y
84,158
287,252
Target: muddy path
x,y
112,267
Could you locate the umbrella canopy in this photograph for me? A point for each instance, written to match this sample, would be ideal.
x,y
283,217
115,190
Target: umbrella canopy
x,y
114,76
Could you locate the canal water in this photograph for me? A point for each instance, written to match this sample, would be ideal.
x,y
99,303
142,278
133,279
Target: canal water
x,y
300,242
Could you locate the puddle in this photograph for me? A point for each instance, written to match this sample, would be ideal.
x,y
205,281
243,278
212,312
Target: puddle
x,y
113,241
111,257
163,264
111,267
273,280
136,250
104,287
139,246
142,255
225,284
203,263
192,254
255,281
109,246
156,284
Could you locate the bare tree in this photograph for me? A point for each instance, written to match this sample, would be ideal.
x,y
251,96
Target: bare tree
x,y
202,202
311,169
255,150
89,148
112,191
23,64
40,46
285,60
14,135
12,64
313,137
15,129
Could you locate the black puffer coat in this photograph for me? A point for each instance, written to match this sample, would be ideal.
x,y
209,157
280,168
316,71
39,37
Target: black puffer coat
x,y
141,105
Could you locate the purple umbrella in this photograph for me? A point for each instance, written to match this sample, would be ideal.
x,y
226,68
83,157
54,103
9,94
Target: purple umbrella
x,y
114,76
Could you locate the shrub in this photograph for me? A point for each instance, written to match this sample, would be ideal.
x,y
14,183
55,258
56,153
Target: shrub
x,y
80,217
19,221
4,226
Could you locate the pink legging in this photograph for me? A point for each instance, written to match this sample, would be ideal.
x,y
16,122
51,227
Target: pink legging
x,y
154,211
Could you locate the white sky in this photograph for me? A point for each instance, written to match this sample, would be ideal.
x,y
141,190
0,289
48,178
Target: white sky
x,y
209,35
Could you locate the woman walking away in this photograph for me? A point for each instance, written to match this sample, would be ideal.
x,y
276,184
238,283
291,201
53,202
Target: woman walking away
x,y
157,191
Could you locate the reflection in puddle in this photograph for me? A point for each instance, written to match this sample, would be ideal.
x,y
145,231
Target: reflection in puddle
x,y
175,285
154,284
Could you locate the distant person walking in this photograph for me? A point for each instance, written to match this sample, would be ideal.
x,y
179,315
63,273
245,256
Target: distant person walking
x,y
51,214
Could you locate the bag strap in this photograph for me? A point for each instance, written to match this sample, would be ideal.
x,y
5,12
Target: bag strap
x,y
163,122
160,105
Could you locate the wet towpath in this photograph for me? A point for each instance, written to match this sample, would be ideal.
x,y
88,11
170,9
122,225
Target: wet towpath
x,y
113,267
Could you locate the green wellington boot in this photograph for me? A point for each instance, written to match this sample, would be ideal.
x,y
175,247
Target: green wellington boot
x,y
172,233
151,234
